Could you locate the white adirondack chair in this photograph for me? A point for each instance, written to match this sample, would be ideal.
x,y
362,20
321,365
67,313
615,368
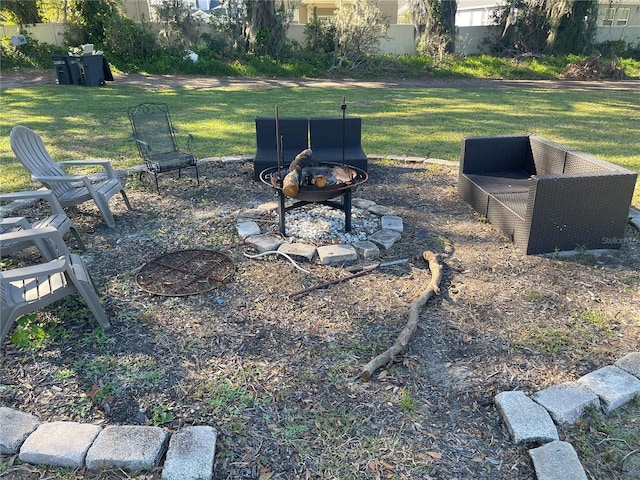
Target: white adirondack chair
x,y
27,289
68,189
58,220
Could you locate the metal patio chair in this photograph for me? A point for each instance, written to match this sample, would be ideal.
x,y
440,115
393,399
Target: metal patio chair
x,y
28,289
58,220
155,138
68,189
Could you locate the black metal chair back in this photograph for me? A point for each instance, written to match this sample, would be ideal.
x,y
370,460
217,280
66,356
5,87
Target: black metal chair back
x,y
155,138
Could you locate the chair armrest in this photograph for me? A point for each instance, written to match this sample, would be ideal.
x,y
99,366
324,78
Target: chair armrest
x,y
7,223
106,164
58,179
49,233
26,195
588,190
581,209
190,140
46,195
25,273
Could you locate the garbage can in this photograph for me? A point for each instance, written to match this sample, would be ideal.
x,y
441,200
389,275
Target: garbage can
x,y
74,70
67,70
92,70
62,69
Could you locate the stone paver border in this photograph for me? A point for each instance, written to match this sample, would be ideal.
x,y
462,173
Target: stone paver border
x,y
529,420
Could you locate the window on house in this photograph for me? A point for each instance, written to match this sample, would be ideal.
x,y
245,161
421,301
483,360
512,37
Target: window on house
x,y
623,17
609,15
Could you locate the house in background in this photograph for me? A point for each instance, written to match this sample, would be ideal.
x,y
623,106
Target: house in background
x,y
475,20
303,9
618,20
400,38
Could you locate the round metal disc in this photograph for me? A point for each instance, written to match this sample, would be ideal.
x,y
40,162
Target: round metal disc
x,y
185,272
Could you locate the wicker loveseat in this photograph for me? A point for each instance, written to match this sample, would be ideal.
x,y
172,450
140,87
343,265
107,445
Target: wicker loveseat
x,y
544,196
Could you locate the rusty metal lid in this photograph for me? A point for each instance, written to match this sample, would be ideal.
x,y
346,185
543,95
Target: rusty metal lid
x,y
185,272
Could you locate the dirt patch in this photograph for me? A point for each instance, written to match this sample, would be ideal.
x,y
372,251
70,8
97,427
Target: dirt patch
x,y
276,376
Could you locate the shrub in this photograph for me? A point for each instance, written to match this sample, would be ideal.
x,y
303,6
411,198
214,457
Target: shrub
x,y
31,55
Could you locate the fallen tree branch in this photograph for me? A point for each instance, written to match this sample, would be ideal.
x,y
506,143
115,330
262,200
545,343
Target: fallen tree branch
x,y
360,271
414,312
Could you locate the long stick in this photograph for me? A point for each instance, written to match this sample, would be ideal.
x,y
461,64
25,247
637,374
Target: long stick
x,y
344,111
278,143
332,282
405,335
360,272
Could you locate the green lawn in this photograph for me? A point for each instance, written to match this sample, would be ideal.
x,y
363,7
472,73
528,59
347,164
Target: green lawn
x,y
80,122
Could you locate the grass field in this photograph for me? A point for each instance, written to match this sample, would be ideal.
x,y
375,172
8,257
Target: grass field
x,y
77,123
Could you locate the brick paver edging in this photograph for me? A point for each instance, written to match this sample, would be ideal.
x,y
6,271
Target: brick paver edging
x,y
187,454
532,420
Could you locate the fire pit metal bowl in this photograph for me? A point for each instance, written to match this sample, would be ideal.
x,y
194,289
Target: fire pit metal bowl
x,y
341,178
341,181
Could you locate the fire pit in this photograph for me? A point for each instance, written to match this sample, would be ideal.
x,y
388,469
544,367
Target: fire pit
x,y
341,180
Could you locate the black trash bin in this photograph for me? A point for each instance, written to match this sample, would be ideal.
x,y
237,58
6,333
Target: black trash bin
x,y
67,69
92,70
62,69
74,70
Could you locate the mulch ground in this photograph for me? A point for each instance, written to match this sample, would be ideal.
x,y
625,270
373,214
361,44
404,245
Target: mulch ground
x,y
277,377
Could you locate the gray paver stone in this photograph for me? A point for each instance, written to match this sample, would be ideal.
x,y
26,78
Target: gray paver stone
x,y
128,447
330,254
392,222
247,229
191,454
264,243
566,402
556,460
362,203
298,251
381,210
16,427
234,159
526,421
385,238
366,249
614,386
630,363
63,444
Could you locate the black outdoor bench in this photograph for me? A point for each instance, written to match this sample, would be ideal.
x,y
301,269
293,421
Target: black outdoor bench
x,y
325,136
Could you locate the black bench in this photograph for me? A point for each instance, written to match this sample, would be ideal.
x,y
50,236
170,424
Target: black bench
x,y
334,140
